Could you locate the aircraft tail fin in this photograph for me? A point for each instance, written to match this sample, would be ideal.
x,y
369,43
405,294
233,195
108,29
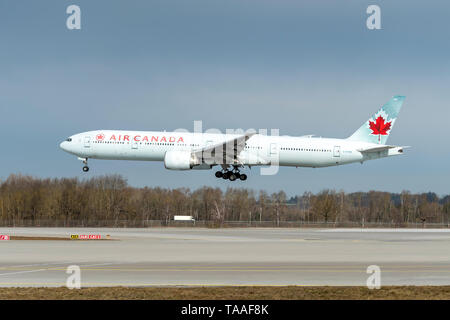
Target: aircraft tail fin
x,y
379,126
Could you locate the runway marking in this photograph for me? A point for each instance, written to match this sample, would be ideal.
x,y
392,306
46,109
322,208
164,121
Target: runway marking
x,y
86,285
255,270
48,264
19,272
386,230
23,267
111,284
232,268
34,264
259,270
46,269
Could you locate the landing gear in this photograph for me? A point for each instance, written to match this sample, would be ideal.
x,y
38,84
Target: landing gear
x,y
85,161
231,175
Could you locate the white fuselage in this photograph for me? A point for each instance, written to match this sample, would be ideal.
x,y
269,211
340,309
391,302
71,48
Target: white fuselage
x,y
304,151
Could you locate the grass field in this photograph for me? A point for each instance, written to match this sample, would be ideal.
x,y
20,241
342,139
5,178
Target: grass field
x,y
230,293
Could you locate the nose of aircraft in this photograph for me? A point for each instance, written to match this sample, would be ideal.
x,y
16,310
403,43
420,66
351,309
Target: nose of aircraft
x,y
63,145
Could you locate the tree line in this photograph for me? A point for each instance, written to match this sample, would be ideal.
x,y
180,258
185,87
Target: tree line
x,y
110,198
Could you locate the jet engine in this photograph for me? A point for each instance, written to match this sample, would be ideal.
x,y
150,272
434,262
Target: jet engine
x,y
179,160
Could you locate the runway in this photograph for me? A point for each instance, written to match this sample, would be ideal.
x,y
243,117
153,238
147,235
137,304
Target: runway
x,y
215,257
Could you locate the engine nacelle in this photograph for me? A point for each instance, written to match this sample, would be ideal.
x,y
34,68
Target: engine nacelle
x,y
178,160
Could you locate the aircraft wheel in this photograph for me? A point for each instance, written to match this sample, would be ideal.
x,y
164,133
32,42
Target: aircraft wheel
x,y
219,174
243,177
226,175
232,177
85,168
238,175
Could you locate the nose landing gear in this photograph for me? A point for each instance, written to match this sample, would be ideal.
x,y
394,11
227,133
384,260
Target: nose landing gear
x,y
85,161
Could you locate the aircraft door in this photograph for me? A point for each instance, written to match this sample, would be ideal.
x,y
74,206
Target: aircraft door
x,y
87,141
337,151
273,149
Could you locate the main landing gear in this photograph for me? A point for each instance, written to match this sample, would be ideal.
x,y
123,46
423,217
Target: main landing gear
x,y
231,175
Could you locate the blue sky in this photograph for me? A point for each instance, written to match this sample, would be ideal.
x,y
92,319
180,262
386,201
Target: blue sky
x,y
301,66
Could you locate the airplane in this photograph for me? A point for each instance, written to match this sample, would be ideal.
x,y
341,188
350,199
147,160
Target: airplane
x,y
232,152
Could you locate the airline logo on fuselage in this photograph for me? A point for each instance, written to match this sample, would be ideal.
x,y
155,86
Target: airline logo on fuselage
x,y
140,138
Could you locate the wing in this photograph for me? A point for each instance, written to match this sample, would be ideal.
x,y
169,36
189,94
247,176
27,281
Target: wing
x,y
224,153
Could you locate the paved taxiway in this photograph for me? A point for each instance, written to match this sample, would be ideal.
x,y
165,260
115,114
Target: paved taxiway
x,y
194,256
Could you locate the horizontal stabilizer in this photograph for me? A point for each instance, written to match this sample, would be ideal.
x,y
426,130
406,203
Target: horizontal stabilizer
x,y
376,149
391,150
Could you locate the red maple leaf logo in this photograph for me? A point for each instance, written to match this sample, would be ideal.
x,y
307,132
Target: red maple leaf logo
x,y
380,127
100,137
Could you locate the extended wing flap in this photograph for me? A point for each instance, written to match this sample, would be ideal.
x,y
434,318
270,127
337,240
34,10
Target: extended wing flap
x,y
225,152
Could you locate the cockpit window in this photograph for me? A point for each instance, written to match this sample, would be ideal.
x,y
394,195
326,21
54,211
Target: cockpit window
x,y
69,139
